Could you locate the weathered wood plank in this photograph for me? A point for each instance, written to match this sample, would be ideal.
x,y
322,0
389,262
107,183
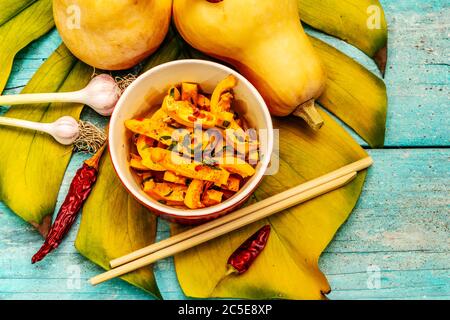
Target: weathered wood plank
x,y
400,227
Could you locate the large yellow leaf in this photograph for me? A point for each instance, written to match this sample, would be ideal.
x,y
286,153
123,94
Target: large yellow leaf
x,y
20,25
288,267
359,22
11,8
113,224
26,185
354,94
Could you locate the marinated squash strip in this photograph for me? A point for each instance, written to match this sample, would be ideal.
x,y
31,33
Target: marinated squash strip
x,y
194,192
187,167
166,191
136,163
233,184
189,92
155,127
186,114
237,166
144,147
225,85
203,102
212,198
170,176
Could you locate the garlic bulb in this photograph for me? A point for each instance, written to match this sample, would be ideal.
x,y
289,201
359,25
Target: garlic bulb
x,y
101,94
65,130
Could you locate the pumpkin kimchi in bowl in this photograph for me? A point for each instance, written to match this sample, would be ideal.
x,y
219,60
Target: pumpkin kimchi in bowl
x,y
193,152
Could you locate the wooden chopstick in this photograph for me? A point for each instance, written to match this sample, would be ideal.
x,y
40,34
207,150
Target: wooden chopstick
x,y
338,179
353,167
223,229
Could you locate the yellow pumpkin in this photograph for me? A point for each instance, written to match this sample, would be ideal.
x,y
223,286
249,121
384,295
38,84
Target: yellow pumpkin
x,y
112,34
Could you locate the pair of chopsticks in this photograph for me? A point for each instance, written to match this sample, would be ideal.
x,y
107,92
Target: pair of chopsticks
x,y
233,221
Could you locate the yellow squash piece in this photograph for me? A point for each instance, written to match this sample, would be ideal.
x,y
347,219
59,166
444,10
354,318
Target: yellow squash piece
x,y
212,197
185,113
136,163
194,192
265,41
144,147
189,92
225,120
170,176
203,102
233,184
155,127
165,191
237,166
185,167
112,35
225,85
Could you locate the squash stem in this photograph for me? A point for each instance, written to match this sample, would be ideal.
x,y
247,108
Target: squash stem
x,y
309,113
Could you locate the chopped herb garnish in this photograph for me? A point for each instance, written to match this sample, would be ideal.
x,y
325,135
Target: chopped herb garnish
x,y
166,137
226,124
211,163
172,146
169,194
240,138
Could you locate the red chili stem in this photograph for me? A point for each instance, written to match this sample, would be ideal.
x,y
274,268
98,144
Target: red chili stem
x,y
241,259
79,190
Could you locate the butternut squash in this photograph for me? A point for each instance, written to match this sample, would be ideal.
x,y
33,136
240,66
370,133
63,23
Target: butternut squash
x,y
265,41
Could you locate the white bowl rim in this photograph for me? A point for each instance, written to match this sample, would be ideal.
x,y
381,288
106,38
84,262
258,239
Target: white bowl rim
x,y
236,199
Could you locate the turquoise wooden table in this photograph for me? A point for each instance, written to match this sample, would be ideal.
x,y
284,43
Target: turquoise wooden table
x,y
396,244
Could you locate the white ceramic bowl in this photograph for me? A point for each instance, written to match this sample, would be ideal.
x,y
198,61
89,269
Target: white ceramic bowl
x,y
148,90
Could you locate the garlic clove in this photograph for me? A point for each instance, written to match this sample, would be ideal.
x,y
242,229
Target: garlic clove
x,y
65,130
102,94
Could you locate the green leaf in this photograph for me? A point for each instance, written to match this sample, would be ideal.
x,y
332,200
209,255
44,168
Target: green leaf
x,y
354,94
113,224
288,267
361,23
25,183
21,27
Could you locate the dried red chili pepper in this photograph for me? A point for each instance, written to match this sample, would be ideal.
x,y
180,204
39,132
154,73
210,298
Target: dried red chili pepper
x,y
241,259
79,190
